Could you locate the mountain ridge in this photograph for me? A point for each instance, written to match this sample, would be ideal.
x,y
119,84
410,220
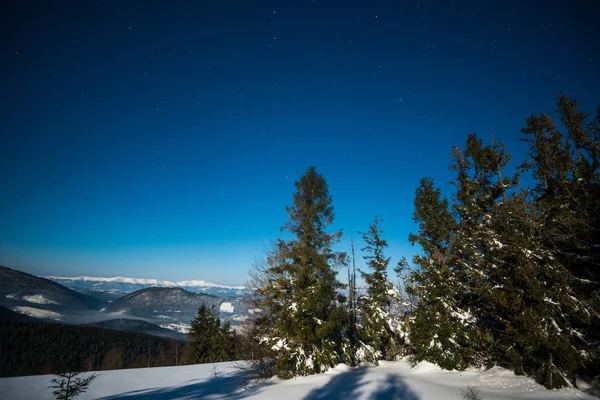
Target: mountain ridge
x,y
144,281
174,307
40,297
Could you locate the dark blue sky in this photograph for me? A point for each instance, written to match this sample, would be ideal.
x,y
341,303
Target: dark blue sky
x,y
162,139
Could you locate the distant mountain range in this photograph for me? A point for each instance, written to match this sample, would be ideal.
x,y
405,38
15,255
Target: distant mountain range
x,y
121,285
162,308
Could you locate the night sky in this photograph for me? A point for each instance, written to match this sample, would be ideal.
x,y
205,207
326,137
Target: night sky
x,y
163,139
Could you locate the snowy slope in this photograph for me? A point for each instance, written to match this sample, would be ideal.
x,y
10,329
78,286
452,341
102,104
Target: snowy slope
x,y
388,381
43,298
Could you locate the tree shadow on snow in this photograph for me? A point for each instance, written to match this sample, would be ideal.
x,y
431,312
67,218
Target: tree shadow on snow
x,y
228,386
394,388
345,386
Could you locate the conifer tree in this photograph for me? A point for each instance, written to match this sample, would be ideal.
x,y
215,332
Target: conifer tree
x,y
304,321
457,278
519,267
514,281
208,341
566,196
353,294
70,385
352,335
380,328
441,330
567,190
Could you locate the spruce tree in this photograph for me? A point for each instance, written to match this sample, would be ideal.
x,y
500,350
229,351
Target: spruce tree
x,y
566,196
567,189
508,277
208,341
441,330
352,335
381,329
514,282
69,385
303,321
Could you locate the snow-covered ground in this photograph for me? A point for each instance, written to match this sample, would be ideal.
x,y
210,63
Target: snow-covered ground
x,y
39,299
226,307
38,313
388,381
181,328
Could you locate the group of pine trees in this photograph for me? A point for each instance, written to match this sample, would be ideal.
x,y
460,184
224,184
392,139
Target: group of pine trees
x,y
510,276
506,275
209,341
306,323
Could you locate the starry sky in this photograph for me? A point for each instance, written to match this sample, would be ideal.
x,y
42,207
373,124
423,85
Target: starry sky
x,y
162,139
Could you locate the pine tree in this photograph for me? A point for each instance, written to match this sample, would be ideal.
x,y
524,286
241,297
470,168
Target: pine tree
x,y
568,185
513,280
352,336
441,330
70,385
566,196
505,274
530,303
208,341
381,329
303,320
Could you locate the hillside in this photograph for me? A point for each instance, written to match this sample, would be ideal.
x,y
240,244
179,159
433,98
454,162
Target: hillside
x,y
8,315
388,381
40,297
136,325
31,348
174,308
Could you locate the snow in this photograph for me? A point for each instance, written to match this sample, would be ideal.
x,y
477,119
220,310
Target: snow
x,y
549,300
38,313
181,328
555,325
498,243
142,281
118,279
207,284
464,316
39,299
226,307
279,345
395,380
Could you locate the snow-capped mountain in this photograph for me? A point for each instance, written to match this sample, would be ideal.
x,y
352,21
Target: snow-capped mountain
x,y
122,285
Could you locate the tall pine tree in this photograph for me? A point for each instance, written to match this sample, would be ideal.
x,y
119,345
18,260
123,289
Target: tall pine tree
x,y
566,195
303,321
509,277
441,330
381,329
